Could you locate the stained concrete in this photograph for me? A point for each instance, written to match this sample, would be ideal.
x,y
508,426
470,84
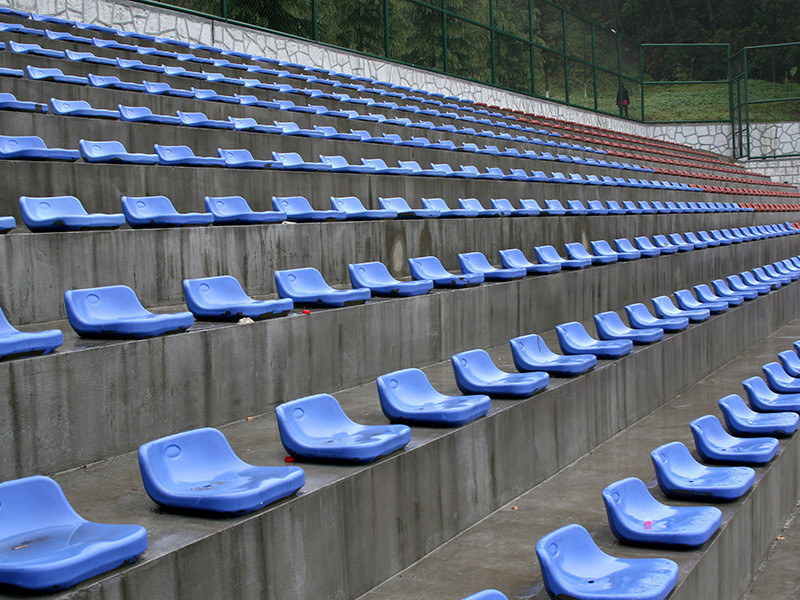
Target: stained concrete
x,y
499,551
779,575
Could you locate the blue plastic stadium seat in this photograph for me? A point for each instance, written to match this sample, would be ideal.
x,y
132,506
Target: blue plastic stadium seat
x,y
553,207
113,152
626,250
234,210
640,317
574,567
723,290
354,210
400,207
744,422
504,205
222,298
635,517
790,362
298,208
687,301
307,287
47,546
158,211
610,327
763,399
7,224
199,471
142,114
476,373
574,339
779,380
63,213
513,258
577,251
665,309
53,74
604,251
595,207
645,246
749,279
115,312
31,147
316,427
549,256
241,158
716,445
430,268
530,353
445,211
692,238
80,108
9,101
18,344
665,246
475,205
183,155
376,277
681,476
705,294
407,396
476,262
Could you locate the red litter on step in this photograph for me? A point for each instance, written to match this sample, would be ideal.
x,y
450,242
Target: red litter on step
x,y
648,524
306,312
288,459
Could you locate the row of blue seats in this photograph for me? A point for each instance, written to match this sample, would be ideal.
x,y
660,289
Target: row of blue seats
x,y
198,471
67,213
143,114
116,312
105,43
34,148
573,566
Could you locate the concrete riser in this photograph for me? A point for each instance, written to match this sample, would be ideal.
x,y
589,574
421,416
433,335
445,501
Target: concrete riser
x,y
393,513
57,417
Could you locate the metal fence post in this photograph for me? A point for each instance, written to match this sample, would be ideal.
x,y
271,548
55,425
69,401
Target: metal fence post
x,y
533,51
386,41
444,37
314,23
492,42
564,50
224,9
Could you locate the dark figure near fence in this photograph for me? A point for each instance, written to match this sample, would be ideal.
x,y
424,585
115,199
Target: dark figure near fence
x,y
623,100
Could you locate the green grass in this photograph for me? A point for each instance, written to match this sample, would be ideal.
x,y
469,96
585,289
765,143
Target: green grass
x,y
709,102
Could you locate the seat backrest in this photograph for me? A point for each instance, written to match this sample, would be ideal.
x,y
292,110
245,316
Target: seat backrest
x,y
435,204
104,303
370,273
408,385
630,497
197,455
474,260
15,143
130,113
397,204
471,204
336,162
709,428
427,267
292,205
529,204
578,251
99,150
32,504
502,204
349,204
224,206
476,363
317,416
144,207
568,551
547,254
39,209
304,280
172,153
675,456
192,118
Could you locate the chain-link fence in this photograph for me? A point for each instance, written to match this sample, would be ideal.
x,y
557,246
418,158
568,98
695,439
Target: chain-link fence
x,y
539,48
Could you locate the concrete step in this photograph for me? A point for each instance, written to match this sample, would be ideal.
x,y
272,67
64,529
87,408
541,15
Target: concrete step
x,y
352,528
498,552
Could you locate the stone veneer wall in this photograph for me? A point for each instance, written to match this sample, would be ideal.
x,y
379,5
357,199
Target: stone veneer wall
x,y
124,14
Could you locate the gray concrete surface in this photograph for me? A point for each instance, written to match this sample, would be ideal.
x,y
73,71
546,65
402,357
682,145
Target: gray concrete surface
x,y
778,578
499,551
353,527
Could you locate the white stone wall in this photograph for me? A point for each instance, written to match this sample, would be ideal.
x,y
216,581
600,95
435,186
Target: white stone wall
x,y
124,14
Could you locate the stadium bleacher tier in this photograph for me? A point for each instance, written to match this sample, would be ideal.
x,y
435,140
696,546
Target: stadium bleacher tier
x,y
331,233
